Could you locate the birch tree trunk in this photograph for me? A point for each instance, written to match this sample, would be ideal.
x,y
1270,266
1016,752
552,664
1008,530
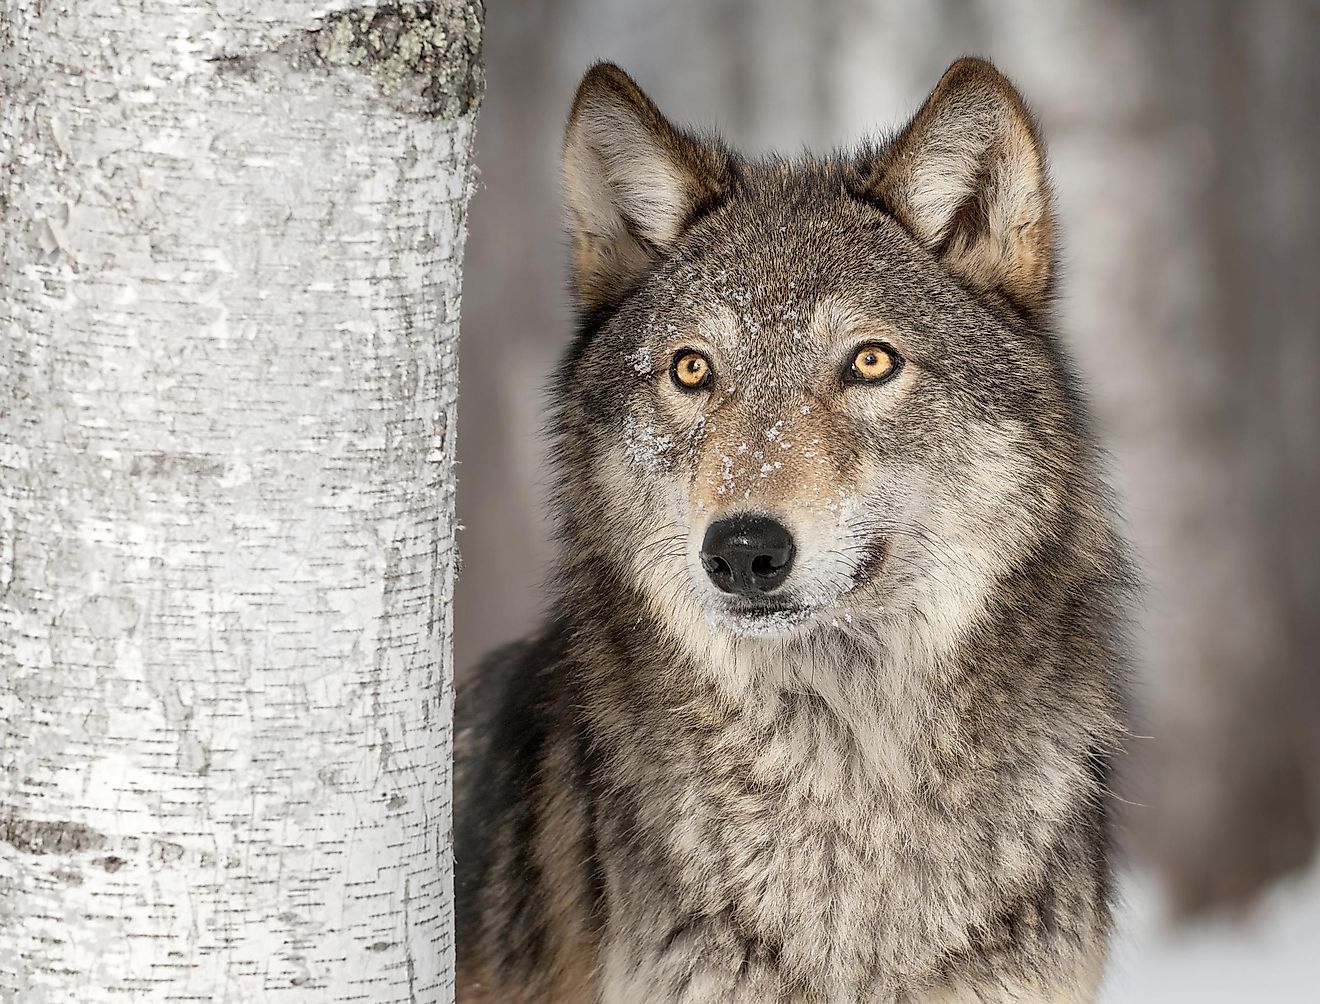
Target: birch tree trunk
x,y
229,287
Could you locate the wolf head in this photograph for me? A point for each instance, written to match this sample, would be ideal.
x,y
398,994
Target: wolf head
x,y
817,397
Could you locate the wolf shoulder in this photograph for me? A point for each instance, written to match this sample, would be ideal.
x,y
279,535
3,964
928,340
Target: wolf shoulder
x,y
500,722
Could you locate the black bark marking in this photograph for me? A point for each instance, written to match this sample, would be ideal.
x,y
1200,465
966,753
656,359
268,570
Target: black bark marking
x,y
34,836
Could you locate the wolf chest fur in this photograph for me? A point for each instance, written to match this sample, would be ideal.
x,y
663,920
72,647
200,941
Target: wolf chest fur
x,y
825,702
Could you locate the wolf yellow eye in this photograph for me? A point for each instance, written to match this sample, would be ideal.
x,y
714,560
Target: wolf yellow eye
x,y
873,363
690,370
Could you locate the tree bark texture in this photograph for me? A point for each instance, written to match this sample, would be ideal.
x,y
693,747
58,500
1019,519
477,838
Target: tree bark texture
x,y
229,291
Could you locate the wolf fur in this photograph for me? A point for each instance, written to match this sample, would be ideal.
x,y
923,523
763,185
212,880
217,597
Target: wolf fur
x,y
887,781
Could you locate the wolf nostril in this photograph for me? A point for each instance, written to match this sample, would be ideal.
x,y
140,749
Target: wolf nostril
x,y
716,565
748,553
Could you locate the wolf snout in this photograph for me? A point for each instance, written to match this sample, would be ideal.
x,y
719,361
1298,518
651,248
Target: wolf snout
x,y
747,554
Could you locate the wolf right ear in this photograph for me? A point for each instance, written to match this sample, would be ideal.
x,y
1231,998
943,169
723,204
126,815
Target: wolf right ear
x,y
632,183
967,178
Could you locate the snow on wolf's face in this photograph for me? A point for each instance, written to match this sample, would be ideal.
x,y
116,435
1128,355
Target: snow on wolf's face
x,y
800,421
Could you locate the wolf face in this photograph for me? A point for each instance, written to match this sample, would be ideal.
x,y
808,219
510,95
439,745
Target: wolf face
x,y
812,397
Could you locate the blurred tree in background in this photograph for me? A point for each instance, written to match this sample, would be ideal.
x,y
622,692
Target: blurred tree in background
x,y
1185,148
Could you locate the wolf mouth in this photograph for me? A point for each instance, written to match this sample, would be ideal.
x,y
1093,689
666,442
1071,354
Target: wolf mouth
x,y
763,618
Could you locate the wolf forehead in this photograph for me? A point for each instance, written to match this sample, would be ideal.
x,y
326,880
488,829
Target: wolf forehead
x,y
789,241
794,227
783,283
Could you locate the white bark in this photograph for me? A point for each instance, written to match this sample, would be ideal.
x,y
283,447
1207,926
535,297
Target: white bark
x,y
229,286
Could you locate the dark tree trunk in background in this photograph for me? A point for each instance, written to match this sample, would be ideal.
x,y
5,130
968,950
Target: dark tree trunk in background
x,y
1234,762
515,324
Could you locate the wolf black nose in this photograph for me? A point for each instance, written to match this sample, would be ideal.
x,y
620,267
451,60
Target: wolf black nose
x,y
747,554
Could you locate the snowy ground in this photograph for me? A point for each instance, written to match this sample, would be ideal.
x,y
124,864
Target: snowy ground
x,y
1270,957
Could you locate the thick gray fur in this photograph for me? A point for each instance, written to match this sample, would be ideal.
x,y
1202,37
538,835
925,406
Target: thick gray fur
x,y
891,786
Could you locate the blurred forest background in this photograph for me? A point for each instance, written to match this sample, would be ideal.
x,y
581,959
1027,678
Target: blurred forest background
x,y
1185,145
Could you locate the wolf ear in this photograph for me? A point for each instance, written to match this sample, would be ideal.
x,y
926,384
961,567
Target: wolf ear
x,y
632,183
967,178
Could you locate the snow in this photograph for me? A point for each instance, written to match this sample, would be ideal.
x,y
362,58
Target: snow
x,y
1271,955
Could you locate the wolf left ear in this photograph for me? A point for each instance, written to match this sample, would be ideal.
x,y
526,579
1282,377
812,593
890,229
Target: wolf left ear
x,y
632,183
967,178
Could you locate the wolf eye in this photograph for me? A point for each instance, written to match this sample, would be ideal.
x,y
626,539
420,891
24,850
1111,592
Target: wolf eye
x,y
874,363
690,370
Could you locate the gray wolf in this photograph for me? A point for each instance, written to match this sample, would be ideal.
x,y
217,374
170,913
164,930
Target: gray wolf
x,y
830,684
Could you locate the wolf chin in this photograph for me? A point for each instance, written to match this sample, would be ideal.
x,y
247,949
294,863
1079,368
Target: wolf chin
x,y
825,703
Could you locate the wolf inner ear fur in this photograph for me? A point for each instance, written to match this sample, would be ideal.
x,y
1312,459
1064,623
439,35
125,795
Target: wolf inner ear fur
x,y
632,184
967,178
